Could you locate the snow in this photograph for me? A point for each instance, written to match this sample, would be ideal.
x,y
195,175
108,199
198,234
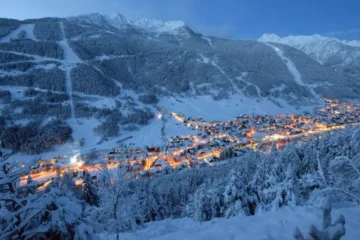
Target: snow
x,y
225,110
101,102
16,91
158,26
82,128
303,39
241,78
115,20
204,59
29,33
107,57
208,40
151,134
10,73
36,57
227,77
69,55
69,89
70,58
292,69
266,226
319,47
45,66
353,43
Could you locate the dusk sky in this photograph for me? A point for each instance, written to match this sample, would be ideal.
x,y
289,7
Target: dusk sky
x,y
236,19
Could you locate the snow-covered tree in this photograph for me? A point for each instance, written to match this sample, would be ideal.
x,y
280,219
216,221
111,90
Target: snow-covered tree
x,y
89,192
26,213
236,196
116,205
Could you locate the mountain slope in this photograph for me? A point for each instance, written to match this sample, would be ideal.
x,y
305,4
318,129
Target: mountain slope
x,y
88,71
340,55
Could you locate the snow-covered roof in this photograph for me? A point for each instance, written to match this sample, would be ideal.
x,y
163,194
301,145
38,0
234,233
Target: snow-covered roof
x,y
160,162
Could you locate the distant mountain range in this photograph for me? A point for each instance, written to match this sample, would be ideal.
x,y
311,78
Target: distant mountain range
x,y
94,67
340,55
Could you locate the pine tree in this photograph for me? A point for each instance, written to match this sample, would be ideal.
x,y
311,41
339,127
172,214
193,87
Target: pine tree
x,y
89,193
26,213
19,207
238,197
67,184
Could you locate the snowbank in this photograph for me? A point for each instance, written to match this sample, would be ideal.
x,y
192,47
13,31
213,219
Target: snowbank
x,y
270,226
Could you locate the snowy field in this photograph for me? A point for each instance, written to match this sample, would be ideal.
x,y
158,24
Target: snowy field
x,y
267,226
227,109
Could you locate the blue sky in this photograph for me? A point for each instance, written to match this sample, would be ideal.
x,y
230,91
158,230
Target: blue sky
x,y
236,19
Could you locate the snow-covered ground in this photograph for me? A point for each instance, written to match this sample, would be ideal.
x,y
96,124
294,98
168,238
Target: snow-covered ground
x,y
267,226
69,55
29,33
227,109
208,40
150,134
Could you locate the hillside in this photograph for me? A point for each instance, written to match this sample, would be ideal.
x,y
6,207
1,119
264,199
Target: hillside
x,y
119,129
340,55
82,77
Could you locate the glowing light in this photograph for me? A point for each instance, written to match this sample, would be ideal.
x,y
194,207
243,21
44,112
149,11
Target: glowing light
x,y
274,137
75,159
278,130
276,49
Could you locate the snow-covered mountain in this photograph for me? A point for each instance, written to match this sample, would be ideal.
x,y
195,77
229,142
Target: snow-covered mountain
x,y
158,26
101,72
115,20
118,21
341,55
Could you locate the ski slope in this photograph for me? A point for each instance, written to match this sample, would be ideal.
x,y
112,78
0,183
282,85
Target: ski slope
x,y
29,33
292,69
228,78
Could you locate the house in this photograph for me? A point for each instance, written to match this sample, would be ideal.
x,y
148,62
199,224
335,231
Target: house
x,y
153,149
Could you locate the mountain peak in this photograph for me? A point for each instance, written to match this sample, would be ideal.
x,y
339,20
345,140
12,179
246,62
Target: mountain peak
x,y
269,37
116,20
320,48
158,26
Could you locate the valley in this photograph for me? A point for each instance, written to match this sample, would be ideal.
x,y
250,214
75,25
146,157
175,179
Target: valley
x,y
117,128
104,90
212,143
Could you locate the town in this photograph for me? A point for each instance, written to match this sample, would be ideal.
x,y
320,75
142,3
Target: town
x,y
214,142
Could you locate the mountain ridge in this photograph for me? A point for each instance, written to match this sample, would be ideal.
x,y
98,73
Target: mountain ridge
x,y
340,55
108,74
